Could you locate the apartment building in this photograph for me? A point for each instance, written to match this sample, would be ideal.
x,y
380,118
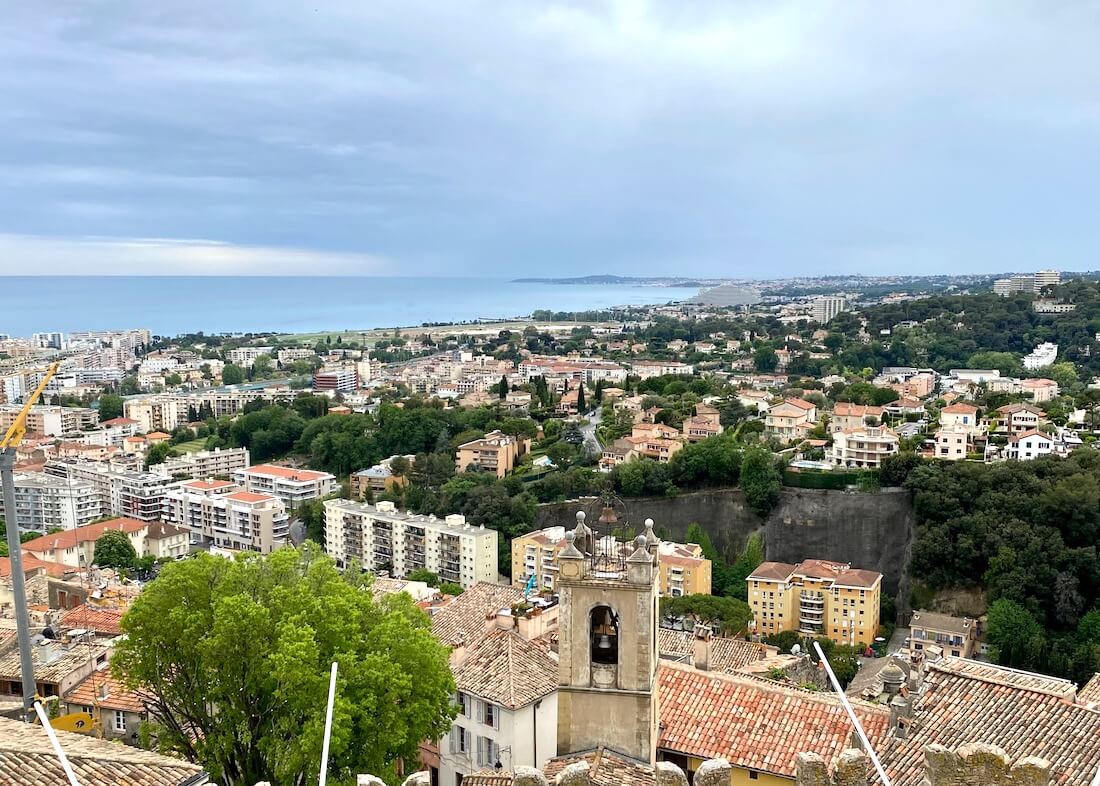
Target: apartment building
x,y
1018,418
1043,355
220,513
292,486
849,417
76,547
378,478
1047,278
644,369
245,357
862,447
136,495
956,637
682,568
381,538
166,411
43,502
1040,390
824,308
496,452
290,355
51,421
792,418
216,463
816,598
655,441
951,443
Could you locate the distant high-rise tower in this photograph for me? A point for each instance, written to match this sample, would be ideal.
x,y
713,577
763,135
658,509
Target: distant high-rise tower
x,y
607,629
1047,278
827,307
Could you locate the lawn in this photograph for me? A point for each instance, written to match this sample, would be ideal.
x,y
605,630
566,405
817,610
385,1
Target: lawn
x,y
194,446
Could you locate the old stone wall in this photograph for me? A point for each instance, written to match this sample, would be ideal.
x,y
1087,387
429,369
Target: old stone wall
x,y
871,530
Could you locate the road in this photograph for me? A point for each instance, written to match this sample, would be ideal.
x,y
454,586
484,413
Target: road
x,y
592,445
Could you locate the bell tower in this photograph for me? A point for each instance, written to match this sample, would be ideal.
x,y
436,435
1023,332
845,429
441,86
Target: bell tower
x,y
607,629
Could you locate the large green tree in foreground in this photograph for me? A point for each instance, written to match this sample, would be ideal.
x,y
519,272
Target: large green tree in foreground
x,y
236,654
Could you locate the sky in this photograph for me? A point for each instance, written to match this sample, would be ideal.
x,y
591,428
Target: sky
x,y
549,138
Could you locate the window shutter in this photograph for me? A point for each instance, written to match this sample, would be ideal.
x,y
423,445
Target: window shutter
x,y
454,740
480,711
480,751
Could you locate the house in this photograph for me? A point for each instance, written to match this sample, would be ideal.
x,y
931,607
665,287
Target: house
x,y
1018,418
618,452
960,416
378,478
956,637
1029,445
705,423
952,444
117,711
58,667
76,547
754,400
904,406
862,447
165,541
790,419
847,417
496,452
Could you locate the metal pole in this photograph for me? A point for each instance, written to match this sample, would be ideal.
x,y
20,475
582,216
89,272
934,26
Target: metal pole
x,y
328,726
18,581
61,757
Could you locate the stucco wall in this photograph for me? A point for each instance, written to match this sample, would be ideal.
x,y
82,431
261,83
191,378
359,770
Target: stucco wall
x,y
869,530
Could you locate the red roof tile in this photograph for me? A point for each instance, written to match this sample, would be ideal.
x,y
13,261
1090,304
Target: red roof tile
x,y
89,532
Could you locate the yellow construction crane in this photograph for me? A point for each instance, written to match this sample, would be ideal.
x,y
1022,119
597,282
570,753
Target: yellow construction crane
x,y
10,442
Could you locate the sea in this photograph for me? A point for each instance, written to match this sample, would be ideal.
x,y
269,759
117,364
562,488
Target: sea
x,y
173,305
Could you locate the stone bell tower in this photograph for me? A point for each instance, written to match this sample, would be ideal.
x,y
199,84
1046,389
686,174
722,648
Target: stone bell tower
x,y
607,629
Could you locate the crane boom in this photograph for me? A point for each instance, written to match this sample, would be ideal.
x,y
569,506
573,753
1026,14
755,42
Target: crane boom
x,y
11,440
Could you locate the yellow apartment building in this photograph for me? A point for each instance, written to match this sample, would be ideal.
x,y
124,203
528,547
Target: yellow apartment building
x,y
816,598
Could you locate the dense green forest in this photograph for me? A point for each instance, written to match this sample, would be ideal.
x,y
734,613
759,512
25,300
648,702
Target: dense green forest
x,y
1027,533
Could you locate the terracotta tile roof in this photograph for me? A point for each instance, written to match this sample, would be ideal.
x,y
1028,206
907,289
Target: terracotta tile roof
x,y
995,705
507,669
75,657
464,618
726,655
800,403
755,723
1029,433
89,693
106,622
1090,694
839,572
304,475
772,571
159,530
118,422
207,485
27,758
844,409
960,409
89,532
488,778
1011,409
606,768
158,435
32,564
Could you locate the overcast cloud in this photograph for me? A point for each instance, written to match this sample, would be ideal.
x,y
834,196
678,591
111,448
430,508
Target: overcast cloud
x,y
549,138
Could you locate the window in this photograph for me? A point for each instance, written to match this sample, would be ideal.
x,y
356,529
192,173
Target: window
x,y
460,740
463,704
754,775
120,720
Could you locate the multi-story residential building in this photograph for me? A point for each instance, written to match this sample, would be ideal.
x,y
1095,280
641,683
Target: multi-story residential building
x,y
960,417
849,417
705,423
1042,356
1030,445
816,598
290,355
381,538
683,570
952,443
76,547
1047,278
110,432
292,486
378,478
219,513
216,463
344,379
245,357
1039,390
125,493
1052,307
826,307
49,340
1018,418
644,369
496,452
862,447
790,419
957,637
51,421
655,441
43,502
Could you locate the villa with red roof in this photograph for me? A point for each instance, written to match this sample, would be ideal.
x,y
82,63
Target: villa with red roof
x,y
76,547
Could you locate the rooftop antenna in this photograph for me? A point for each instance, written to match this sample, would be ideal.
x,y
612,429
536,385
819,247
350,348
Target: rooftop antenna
x,y
45,720
855,721
328,727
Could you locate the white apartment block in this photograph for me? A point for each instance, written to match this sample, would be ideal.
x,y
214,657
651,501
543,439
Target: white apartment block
x,y
51,421
826,307
167,411
290,355
379,537
865,447
219,513
644,369
1047,278
216,463
292,486
1043,355
135,495
43,502
246,356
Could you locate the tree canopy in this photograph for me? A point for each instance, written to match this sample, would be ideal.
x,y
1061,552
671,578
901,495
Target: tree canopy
x,y
236,656
114,550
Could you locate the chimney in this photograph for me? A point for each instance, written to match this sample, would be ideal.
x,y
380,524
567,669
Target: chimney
x,y
900,712
101,689
701,647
